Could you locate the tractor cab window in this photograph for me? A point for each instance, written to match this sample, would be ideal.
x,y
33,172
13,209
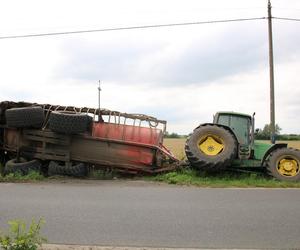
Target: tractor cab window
x,y
240,125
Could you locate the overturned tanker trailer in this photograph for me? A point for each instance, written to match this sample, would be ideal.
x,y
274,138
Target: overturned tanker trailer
x,y
70,140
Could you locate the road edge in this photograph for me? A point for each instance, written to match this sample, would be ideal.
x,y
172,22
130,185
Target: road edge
x,y
91,247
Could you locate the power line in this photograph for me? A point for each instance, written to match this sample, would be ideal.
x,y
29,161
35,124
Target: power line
x,y
131,28
144,27
287,19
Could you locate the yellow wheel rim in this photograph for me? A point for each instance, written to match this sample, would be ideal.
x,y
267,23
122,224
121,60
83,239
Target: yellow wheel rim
x,y
288,166
211,145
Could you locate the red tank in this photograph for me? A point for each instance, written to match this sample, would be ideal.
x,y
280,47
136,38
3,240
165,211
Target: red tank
x,y
128,133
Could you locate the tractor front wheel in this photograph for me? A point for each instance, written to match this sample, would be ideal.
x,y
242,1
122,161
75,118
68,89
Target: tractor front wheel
x,y
284,164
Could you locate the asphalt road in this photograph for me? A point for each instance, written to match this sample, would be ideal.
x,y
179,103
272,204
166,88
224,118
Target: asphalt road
x,y
141,214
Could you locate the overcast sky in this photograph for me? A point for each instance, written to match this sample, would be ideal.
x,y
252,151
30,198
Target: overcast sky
x,y
179,74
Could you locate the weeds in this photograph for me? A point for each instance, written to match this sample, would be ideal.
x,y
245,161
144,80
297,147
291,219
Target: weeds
x,y
22,238
17,177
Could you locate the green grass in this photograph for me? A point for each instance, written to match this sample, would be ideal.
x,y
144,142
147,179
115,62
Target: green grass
x,y
102,174
17,177
225,179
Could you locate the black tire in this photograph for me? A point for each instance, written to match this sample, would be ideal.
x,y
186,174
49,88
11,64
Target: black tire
x,y
276,164
2,156
27,117
55,169
23,166
77,170
90,121
221,159
2,160
68,123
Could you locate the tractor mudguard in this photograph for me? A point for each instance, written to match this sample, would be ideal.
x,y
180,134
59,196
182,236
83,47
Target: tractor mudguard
x,y
271,149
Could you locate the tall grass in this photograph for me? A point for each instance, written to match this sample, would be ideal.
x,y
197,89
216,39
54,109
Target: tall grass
x,y
223,179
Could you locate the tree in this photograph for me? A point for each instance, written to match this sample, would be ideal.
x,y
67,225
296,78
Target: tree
x,y
265,133
172,135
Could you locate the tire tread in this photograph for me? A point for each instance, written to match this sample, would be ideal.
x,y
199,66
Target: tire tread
x,y
201,162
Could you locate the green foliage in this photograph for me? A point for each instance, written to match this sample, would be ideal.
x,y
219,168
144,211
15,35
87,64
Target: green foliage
x,y
265,133
22,238
15,177
288,137
172,135
221,179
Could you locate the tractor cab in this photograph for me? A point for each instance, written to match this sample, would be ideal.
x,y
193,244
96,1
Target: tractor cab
x,y
242,126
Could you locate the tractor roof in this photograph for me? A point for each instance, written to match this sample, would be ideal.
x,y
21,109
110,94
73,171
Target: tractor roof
x,y
233,113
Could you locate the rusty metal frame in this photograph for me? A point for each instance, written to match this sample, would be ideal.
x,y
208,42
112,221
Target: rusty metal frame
x,y
48,108
36,142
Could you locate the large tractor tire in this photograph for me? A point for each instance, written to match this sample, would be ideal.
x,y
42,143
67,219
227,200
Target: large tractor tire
x,y
211,148
68,123
27,117
77,170
22,166
284,164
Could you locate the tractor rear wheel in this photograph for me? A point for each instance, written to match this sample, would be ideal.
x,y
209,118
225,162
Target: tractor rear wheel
x,y
211,148
284,164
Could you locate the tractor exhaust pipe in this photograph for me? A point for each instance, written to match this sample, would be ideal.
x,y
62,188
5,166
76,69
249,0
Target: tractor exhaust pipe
x,y
252,130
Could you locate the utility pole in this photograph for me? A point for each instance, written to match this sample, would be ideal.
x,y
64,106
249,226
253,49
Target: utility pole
x,y
272,98
99,90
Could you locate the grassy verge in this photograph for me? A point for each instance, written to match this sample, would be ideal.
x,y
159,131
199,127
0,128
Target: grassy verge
x,y
220,180
17,177
181,177
187,177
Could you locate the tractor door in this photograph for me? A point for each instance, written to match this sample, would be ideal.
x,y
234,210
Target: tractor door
x,y
240,125
241,128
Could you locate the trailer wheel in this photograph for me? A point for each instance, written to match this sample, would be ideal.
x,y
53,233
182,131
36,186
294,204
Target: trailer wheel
x,y
211,148
284,164
77,170
23,167
25,117
68,123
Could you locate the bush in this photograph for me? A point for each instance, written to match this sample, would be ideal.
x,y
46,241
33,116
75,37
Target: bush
x,y
21,238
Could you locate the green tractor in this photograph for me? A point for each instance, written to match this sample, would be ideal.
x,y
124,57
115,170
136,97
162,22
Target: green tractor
x,y
229,142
